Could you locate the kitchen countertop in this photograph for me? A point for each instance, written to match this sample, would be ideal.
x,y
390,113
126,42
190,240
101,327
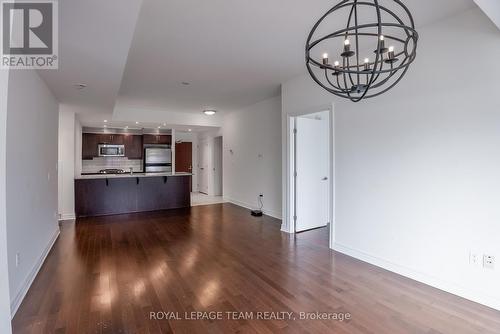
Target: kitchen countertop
x,y
127,175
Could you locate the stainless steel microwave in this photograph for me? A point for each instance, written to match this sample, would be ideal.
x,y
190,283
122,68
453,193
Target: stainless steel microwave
x,y
106,150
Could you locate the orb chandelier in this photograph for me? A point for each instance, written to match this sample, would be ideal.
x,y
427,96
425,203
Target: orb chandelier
x,y
368,55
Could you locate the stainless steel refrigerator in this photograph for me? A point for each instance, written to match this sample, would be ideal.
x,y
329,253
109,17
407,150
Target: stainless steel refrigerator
x,y
157,160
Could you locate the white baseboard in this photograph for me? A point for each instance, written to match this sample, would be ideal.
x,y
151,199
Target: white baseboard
x,y
66,216
420,277
271,213
16,302
285,229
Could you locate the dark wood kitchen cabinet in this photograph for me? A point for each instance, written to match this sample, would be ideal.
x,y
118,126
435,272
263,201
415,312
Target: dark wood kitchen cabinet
x,y
157,139
133,146
89,146
112,139
119,195
90,141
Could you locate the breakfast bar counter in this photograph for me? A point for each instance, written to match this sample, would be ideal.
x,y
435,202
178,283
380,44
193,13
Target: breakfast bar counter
x,y
98,195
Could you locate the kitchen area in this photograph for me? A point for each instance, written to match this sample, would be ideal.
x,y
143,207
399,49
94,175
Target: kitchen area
x,y
127,171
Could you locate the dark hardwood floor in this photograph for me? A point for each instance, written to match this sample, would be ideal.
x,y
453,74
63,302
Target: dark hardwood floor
x,y
106,274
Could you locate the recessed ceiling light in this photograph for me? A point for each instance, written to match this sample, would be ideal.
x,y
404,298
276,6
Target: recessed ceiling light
x,y
209,112
189,130
136,122
159,127
80,86
164,124
105,121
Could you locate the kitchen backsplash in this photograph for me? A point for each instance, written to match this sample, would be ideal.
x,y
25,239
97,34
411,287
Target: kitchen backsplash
x,y
96,164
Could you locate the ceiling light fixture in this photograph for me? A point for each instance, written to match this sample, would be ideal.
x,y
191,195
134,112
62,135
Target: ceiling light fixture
x,y
189,130
352,77
105,121
80,86
209,112
136,122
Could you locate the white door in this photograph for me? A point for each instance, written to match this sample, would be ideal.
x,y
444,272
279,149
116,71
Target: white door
x,y
312,166
203,166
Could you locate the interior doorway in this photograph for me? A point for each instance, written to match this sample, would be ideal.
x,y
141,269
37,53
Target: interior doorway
x,y
310,160
311,171
184,159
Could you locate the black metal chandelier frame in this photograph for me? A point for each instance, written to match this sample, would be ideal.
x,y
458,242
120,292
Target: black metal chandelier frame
x,y
354,80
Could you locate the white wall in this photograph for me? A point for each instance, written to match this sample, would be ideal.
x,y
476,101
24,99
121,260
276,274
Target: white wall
x,y
254,136
32,126
417,169
66,163
5,314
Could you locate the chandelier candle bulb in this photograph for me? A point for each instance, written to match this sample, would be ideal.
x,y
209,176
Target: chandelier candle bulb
x,y
347,49
391,52
325,58
336,68
382,47
367,64
347,45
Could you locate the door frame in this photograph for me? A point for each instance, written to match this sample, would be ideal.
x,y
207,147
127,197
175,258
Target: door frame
x,y
201,143
288,224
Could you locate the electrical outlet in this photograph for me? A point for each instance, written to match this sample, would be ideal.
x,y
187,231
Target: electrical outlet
x,y
18,259
488,261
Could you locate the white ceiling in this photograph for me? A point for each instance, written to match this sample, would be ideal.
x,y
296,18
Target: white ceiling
x,y
232,52
491,8
94,40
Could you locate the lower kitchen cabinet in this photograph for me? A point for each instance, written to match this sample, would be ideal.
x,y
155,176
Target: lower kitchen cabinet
x,y
119,195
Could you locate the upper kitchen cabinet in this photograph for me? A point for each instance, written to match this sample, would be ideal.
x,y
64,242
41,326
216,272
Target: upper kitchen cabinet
x,y
157,139
112,139
91,141
89,146
133,146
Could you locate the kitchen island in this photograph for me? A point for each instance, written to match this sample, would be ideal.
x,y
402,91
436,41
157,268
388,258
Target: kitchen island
x,y
98,195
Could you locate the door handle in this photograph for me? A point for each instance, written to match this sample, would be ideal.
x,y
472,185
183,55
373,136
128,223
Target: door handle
x,y
324,179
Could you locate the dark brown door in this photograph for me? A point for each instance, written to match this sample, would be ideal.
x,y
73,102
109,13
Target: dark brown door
x,y
184,159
